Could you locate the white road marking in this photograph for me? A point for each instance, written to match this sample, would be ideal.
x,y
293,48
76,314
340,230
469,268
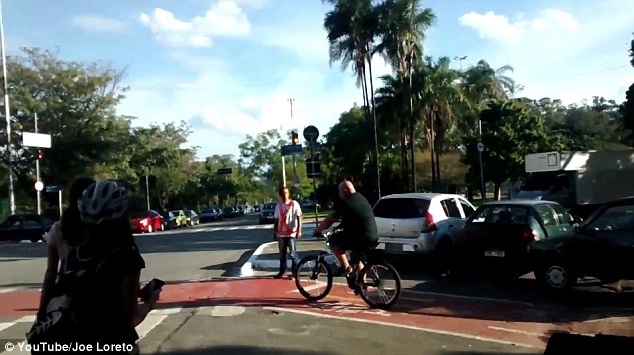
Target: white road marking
x,y
462,335
247,269
220,311
4,326
166,310
516,331
150,322
472,298
7,290
233,228
310,288
26,319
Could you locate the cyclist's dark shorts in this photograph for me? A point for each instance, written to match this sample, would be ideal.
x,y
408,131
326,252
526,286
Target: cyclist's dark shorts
x,y
348,240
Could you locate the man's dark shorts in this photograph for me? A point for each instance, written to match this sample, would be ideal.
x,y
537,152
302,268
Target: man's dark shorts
x,y
348,240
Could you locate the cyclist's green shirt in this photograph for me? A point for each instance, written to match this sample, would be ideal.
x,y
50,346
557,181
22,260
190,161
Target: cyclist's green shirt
x,y
357,218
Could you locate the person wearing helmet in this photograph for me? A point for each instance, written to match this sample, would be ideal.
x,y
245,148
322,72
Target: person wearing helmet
x,y
107,302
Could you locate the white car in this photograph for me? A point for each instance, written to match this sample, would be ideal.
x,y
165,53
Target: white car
x,y
425,223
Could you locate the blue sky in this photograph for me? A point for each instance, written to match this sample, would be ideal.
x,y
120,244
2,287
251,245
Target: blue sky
x,y
229,67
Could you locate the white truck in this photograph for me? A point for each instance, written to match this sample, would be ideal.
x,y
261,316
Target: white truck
x,y
579,180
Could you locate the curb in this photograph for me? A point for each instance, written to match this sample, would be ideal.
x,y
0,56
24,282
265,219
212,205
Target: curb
x,y
246,270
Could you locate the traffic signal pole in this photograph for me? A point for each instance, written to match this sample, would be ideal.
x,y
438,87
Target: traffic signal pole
x,y
37,173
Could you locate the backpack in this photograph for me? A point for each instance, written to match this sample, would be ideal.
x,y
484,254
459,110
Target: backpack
x,y
59,324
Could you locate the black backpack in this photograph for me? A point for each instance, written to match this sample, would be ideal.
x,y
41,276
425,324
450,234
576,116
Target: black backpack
x,y
59,324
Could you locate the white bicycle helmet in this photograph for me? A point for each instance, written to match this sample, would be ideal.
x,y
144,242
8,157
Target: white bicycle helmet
x,y
103,201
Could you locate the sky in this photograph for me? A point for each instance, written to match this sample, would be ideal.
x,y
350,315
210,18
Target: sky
x,y
230,67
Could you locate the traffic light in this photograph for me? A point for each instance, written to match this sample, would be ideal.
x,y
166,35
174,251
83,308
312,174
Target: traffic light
x,y
294,137
40,155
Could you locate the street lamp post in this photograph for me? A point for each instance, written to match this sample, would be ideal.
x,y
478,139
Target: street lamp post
x,y
293,156
460,59
7,113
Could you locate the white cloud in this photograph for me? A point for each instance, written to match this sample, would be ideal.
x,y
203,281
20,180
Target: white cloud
x,y
498,27
224,107
555,53
224,18
99,23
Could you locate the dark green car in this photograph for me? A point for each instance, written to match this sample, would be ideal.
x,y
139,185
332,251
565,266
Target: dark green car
x,y
601,247
499,233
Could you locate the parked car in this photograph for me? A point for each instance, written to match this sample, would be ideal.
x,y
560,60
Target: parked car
x,y
208,215
267,214
26,226
498,233
230,212
424,223
146,222
192,218
601,247
181,218
169,220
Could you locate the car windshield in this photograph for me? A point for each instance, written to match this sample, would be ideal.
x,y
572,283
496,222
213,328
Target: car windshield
x,y
401,208
269,206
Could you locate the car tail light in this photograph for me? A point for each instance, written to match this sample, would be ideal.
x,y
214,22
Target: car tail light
x,y
428,224
144,222
529,234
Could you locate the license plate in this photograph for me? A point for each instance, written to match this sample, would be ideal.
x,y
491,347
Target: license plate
x,y
393,247
494,253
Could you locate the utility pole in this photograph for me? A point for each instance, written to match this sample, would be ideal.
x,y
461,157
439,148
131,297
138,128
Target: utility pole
x,y
293,156
37,173
7,113
147,190
460,59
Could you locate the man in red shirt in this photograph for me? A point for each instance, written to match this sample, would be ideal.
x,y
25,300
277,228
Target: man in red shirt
x,y
287,227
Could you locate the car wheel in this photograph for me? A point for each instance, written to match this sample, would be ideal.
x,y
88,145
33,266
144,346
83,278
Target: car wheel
x,y
556,276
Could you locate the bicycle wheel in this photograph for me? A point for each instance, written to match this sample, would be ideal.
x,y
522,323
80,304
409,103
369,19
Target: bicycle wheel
x,y
376,275
313,266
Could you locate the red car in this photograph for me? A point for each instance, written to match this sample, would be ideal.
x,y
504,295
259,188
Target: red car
x,y
148,221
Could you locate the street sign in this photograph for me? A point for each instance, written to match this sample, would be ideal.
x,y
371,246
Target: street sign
x,y
292,149
36,140
54,188
480,147
39,186
311,133
224,171
313,168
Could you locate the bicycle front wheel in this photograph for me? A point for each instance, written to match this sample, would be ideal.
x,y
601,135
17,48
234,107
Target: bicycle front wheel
x,y
307,278
379,285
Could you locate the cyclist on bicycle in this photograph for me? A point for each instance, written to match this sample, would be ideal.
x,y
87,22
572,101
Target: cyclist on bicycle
x,y
357,233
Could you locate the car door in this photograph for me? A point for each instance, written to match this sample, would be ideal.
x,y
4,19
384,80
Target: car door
x,y
10,228
454,214
564,220
612,241
548,219
467,208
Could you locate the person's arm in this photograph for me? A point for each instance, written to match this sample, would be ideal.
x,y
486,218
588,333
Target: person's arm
x,y
298,215
327,222
134,311
50,275
276,216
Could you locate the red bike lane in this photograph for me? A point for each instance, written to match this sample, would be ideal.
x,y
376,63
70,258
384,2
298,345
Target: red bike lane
x,y
483,319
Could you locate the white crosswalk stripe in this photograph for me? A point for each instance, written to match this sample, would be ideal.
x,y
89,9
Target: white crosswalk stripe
x,y
15,329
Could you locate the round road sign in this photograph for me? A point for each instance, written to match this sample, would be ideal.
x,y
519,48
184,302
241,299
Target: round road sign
x,y
311,133
39,186
480,147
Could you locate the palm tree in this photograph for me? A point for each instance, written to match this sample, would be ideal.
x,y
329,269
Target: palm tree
x,y
352,26
437,98
402,27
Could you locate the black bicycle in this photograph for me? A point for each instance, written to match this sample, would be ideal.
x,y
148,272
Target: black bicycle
x,y
368,279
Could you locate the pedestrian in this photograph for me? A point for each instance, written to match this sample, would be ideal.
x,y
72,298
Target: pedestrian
x,y
97,293
63,235
287,227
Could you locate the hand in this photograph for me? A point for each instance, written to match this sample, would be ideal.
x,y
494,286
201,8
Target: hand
x,y
155,297
299,234
317,233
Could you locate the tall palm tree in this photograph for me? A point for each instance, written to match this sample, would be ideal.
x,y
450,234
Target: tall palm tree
x,y
352,26
402,27
437,98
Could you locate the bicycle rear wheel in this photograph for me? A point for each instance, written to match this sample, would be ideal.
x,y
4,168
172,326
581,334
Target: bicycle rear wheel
x,y
373,277
307,275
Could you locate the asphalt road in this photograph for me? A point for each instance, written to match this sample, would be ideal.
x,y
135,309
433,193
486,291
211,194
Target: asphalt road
x,y
230,314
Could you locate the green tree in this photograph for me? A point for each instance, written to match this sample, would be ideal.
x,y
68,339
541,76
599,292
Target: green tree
x,y
402,29
512,134
75,104
627,108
